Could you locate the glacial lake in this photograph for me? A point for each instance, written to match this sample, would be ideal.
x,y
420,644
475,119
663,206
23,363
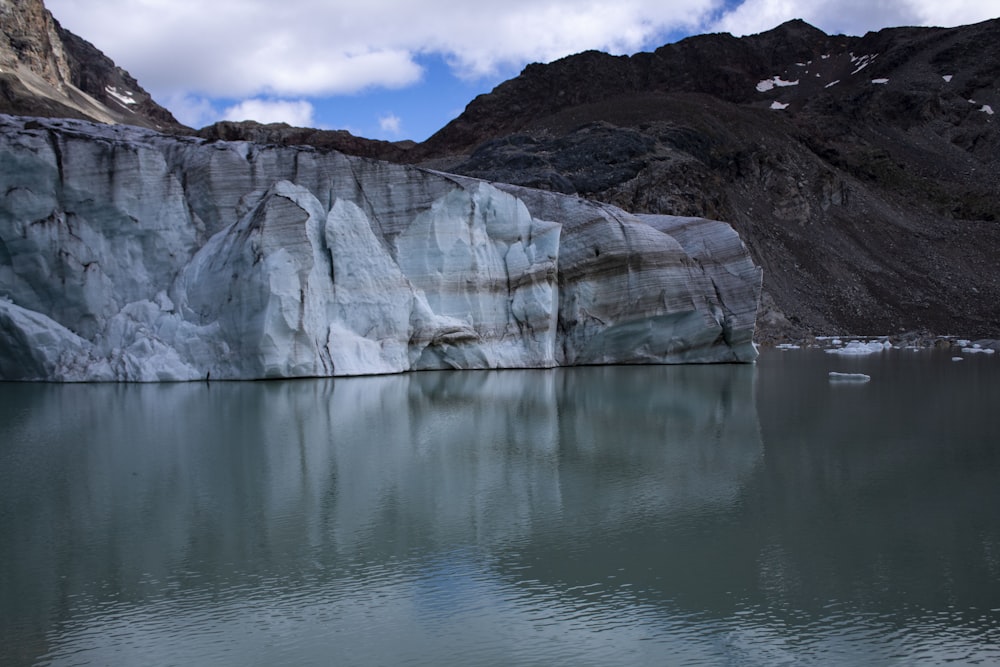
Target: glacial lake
x,y
661,515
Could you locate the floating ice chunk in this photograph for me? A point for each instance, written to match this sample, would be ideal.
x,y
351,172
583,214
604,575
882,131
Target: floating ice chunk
x,y
858,348
963,342
977,350
778,105
849,377
880,81
789,346
947,78
958,358
832,83
987,109
769,84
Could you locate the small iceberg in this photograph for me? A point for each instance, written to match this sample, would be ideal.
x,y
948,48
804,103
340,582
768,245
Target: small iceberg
x,y
858,348
849,377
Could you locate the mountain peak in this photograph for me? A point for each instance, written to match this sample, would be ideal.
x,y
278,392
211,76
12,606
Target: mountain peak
x,y
797,26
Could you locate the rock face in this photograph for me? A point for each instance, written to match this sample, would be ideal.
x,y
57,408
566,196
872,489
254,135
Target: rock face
x,y
46,70
130,255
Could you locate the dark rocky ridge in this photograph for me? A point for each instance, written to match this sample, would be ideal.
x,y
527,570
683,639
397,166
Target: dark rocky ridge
x,y
282,134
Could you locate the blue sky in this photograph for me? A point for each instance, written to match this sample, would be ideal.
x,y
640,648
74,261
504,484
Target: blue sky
x,y
401,69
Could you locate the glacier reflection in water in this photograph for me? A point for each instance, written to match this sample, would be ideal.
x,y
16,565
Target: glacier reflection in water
x,y
580,516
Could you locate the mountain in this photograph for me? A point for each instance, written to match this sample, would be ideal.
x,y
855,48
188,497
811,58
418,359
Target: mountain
x,y
862,172
48,71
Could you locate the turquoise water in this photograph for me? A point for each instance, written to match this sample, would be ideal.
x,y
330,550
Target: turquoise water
x,y
695,515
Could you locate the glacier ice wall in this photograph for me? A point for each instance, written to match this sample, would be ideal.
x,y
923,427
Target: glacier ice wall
x,y
126,255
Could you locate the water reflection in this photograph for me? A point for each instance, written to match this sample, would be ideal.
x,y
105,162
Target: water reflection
x,y
599,515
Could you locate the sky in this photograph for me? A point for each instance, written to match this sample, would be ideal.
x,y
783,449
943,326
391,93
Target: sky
x,y
401,69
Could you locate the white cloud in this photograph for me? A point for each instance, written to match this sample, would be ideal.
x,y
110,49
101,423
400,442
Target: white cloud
x,y
391,124
854,17
298,113
956,12
247,48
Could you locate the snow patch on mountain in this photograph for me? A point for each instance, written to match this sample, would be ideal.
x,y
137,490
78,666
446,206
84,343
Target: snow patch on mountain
x,y
775,81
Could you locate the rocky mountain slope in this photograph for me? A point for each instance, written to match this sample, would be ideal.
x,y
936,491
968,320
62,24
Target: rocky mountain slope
x,y
862,172
48,71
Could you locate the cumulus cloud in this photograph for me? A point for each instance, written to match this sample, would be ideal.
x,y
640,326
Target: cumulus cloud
x,y
853,17
391,124
246,48
298,113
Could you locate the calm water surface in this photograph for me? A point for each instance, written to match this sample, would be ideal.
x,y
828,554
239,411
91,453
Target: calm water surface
x,y
709,515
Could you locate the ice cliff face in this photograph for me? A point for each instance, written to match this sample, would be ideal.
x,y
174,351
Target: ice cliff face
x,y
130,255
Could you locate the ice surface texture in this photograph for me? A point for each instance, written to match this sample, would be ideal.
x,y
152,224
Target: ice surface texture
x,y
126,255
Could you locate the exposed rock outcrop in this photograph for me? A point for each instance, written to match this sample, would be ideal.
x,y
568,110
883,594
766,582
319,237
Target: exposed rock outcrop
x,y
130,255
48,71
282,134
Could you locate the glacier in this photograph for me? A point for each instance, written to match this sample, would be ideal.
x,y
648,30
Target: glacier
x,y
129,255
